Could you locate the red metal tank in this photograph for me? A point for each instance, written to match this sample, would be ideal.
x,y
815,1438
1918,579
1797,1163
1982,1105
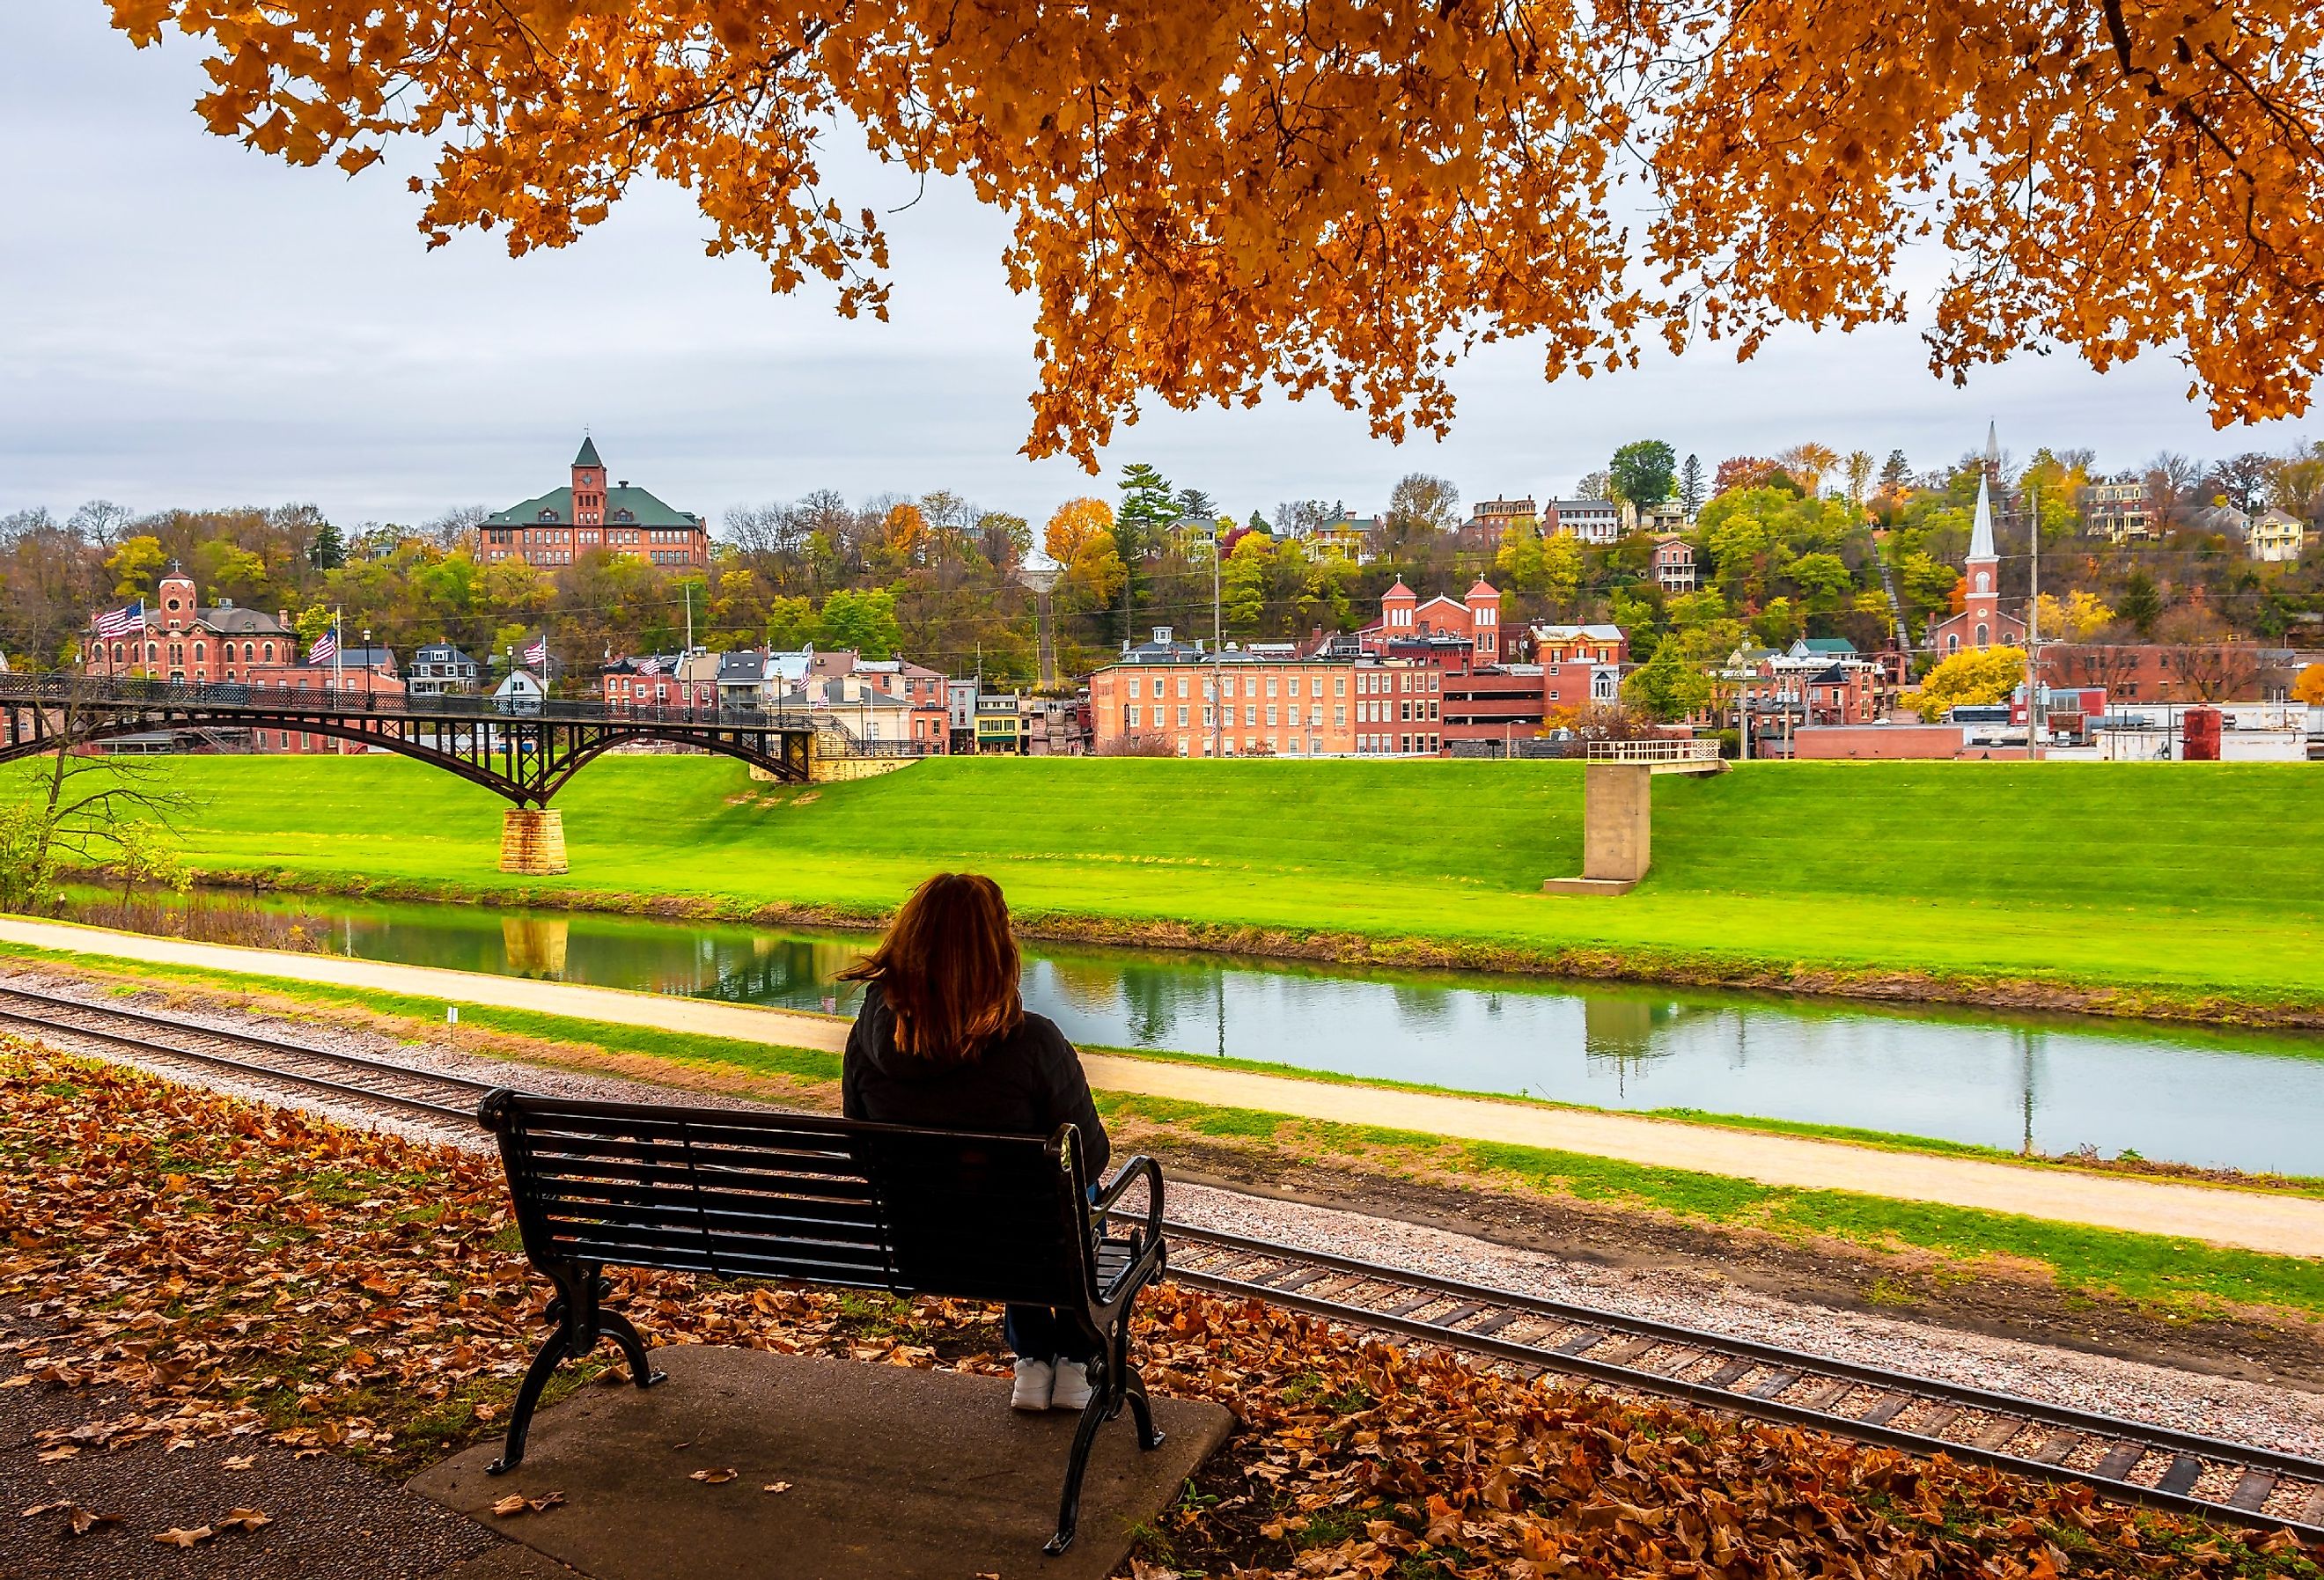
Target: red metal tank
x,y
2199,736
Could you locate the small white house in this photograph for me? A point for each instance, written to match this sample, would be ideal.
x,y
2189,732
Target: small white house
x,y
521,692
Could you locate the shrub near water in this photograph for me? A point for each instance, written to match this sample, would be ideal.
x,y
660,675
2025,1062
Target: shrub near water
x,y
243,1270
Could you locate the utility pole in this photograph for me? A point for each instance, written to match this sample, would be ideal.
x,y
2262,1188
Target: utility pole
x,y
1218,642
688,588
2034,628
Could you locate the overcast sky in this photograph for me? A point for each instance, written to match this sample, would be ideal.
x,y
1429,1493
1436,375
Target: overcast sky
x,y
183,322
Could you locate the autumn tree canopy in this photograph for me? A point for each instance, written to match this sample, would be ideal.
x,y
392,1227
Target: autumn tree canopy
x,y
1345,196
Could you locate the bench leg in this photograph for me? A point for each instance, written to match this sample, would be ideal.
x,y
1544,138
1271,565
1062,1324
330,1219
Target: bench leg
x,y
1141,1409
1069,1508
528,1395
633,1348
1129,1385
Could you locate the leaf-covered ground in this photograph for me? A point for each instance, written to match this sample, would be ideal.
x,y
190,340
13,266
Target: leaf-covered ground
x,y
247,1271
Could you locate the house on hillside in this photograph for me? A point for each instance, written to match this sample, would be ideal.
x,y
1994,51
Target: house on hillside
x,y
440,670
1673,563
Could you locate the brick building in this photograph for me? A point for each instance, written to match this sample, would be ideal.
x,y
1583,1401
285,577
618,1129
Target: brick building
x,y
1475,620
2229,671
179,640
661,680
370,670
557,528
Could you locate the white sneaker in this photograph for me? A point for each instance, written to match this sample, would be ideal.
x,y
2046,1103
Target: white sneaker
x,y
1071,1390
1034,1382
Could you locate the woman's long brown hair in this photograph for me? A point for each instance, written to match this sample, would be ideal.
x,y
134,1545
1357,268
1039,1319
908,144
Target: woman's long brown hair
x,y
948,969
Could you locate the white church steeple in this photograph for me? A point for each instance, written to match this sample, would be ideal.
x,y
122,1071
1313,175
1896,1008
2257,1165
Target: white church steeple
x,y
1980,532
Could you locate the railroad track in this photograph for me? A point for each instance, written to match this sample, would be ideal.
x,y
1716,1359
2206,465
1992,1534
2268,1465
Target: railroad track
x,y
252,1056
2131,1460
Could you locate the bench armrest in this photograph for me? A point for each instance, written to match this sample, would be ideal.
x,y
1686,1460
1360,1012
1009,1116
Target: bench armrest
x,y
1141,1166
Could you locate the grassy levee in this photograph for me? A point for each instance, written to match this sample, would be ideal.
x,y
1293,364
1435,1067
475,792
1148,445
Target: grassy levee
x,y
2176,889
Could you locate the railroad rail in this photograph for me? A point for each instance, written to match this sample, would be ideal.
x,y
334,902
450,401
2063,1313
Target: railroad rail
x,y
2135,1461
254,1056
2130,1460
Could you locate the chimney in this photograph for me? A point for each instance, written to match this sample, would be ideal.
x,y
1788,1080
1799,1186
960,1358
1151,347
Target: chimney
x,y
282,618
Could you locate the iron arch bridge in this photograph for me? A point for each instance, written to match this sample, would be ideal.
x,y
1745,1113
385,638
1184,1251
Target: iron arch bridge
x,y
525,751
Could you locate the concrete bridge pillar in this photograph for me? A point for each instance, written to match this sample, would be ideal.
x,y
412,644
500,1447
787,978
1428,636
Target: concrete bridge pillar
x,y
1618,826
532,841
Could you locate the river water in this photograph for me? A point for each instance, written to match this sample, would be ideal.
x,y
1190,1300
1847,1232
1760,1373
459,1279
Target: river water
x,y
2216,1098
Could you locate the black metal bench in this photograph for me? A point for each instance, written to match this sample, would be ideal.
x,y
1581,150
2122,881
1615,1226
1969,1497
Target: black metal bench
x,y
755,1194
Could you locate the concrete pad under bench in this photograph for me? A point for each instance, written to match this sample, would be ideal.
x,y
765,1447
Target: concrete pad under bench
x,y
894,1472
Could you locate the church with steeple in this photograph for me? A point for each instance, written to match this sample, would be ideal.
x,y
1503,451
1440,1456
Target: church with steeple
x,y
1981,623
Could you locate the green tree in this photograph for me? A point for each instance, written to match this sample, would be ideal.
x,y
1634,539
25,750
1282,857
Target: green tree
x,y
329,551
790,623
1778,625
1927,583
2140,604
1895,472
1824,577
1242,583
1693,488
864,621
1667,687
1644,473
134,563
1149,508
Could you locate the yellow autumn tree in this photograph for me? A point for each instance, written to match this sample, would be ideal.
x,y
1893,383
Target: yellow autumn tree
x,y
1972,676
2077,617
2117,178
1076,523
2309,688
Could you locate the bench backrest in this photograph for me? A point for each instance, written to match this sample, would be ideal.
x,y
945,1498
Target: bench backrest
x,y
749,1194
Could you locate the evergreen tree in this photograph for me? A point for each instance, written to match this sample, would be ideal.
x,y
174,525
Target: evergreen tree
x,y
1693,489
1896,473
1149,510
2140,604
330,550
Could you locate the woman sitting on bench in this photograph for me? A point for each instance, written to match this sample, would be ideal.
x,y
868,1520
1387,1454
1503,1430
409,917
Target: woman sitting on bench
x,y
943,1042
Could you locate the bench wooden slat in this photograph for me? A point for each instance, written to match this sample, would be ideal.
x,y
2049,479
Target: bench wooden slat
x,y
616,1197
831,1187
792,1263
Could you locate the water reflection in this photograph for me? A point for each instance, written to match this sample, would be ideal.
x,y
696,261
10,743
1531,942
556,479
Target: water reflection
x,y
2221,1098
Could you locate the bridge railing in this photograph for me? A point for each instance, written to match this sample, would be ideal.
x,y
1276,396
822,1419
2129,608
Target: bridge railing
x,y
1658,750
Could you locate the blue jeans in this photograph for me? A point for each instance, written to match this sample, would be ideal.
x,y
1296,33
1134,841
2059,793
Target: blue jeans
x,y
1040,1332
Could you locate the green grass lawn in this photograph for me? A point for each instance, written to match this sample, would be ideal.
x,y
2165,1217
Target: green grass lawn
x,y
2169,883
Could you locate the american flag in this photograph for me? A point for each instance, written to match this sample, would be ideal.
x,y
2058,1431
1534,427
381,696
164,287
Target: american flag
x,y
537,653
648,666
116,623
325,648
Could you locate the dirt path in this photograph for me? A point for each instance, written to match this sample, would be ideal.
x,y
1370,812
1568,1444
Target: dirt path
x,y
2282,1224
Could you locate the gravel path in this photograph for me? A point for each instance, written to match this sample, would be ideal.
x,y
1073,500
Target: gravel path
x,y
2290,1420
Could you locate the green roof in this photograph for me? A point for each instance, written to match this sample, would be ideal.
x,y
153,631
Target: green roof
x,y
1832,646
555,509
588,455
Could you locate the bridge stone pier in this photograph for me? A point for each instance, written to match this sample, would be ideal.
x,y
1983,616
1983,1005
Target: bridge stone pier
x,y
1618,810
532,842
